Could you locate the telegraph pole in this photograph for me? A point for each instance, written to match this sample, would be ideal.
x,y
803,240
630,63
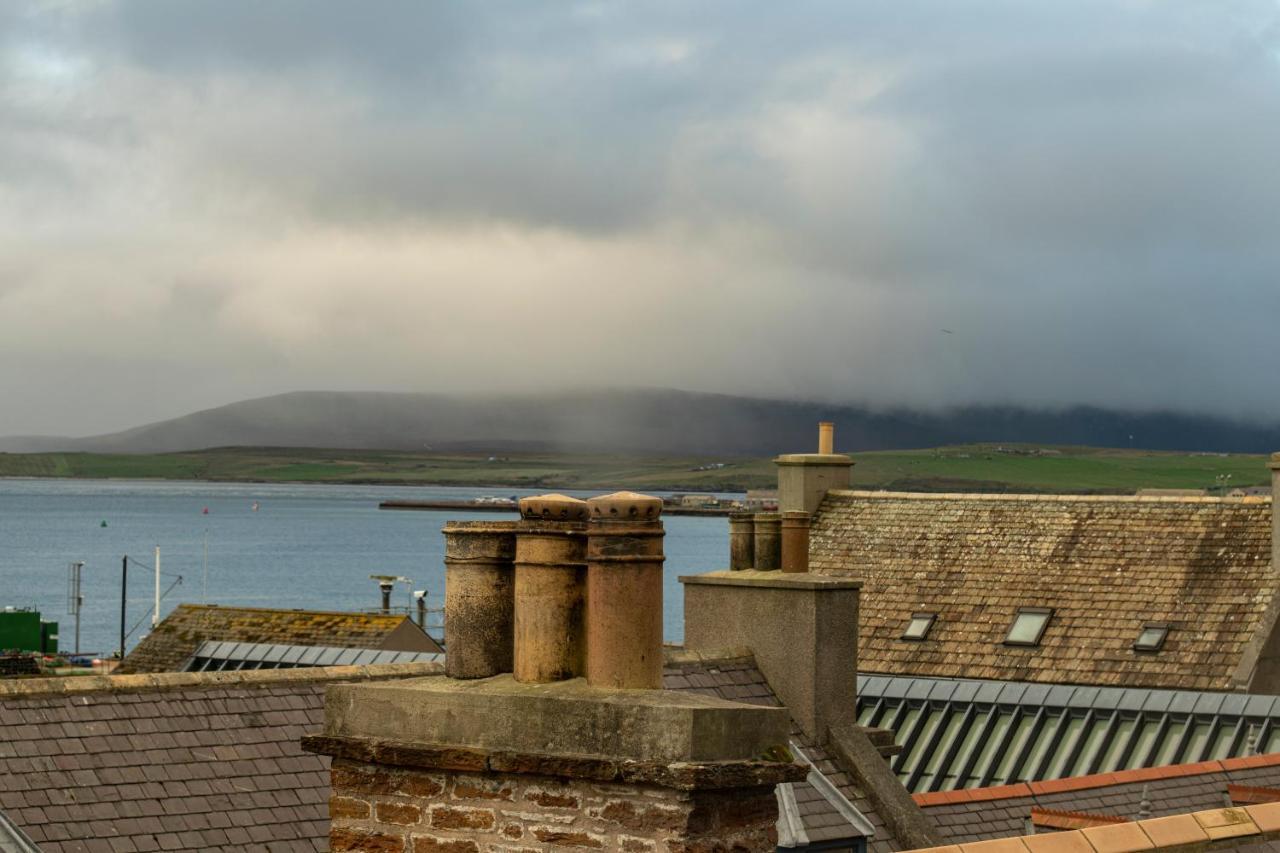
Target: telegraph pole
x,y
155,614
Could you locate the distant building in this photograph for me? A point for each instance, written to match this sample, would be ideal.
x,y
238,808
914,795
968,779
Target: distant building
x,y
1172,493
178,636
697,500
762,499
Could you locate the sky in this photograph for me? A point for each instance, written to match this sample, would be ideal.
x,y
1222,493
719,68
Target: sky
x,y
894,204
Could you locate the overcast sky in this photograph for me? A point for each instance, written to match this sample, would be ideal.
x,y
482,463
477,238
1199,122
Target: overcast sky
x,y
207,201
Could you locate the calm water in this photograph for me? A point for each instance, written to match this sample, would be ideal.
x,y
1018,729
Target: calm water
x,y
307,546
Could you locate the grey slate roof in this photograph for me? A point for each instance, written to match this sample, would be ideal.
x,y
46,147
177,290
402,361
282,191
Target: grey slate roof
x,y
212,760
174,761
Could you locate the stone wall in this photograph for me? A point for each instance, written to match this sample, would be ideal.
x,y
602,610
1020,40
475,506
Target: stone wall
x,y
381,808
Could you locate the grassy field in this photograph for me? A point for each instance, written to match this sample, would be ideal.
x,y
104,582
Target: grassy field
x,y
965,468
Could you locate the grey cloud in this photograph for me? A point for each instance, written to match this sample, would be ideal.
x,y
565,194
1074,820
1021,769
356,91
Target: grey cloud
x,y
330,195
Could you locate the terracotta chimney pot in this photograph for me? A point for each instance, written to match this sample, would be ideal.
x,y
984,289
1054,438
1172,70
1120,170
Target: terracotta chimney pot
x,y
624,592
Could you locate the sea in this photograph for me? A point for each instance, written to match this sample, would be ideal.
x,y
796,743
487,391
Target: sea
x,y
309,546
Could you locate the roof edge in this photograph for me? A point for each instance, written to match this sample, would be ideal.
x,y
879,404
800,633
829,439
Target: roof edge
x,y
290,611
1035,496
1097,780
76,685
679,655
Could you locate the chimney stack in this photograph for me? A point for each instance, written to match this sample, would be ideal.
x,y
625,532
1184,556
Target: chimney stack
x,y
805,478
514,760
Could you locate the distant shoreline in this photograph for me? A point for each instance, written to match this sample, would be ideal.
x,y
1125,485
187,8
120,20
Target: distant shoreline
x,y
989,468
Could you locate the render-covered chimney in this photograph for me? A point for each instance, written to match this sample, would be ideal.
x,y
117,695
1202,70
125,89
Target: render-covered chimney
x,y
540,759
805,478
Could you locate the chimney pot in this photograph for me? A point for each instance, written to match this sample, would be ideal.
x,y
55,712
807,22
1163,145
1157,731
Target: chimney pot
x,y
826,438
795,542
742,532
624,592
550,565
479,598
768,541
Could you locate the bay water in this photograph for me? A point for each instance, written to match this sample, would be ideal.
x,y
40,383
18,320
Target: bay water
x,y
307,546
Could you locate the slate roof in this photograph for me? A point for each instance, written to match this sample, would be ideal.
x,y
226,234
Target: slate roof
x,y
212,760
975,734
176,761
1105,565
739,680
171,643
986,813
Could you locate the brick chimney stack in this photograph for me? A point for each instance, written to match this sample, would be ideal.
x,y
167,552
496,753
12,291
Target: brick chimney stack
x,y
540,759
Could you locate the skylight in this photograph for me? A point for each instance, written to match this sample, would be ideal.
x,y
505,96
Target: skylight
x,y
918,627
1028,626
1151,638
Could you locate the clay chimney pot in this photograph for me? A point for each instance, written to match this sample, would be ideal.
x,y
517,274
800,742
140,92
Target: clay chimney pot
x,y
553,508
625,506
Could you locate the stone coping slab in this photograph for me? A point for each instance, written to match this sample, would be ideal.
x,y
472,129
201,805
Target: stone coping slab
x,y
561,718
685,776
839,459
772,580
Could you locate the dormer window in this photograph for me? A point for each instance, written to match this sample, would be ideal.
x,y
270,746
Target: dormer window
x,y
918,627
1028,626
1151,638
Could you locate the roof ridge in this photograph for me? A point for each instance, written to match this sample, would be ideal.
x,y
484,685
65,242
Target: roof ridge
x,y
291,611
1043,496
76,685
1067,819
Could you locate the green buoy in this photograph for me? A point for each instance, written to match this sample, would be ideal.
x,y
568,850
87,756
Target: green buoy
x,y
104,522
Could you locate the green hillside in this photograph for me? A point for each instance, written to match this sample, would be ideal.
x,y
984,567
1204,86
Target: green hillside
x,y
961,468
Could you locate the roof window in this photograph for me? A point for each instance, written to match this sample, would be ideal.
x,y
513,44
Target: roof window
x,y
918,627
1151,638
1028,626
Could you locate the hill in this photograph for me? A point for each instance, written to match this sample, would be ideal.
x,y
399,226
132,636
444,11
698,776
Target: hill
x,y
986,468
641,422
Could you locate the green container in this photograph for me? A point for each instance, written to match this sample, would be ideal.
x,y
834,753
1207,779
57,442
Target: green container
x,y
21,629
49,638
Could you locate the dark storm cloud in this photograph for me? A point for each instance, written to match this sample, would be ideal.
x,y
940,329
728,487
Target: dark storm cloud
x,y
737,197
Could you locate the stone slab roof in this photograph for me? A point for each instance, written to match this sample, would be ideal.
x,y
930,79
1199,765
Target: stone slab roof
x,y
1106,566
181,761
172,643
981,814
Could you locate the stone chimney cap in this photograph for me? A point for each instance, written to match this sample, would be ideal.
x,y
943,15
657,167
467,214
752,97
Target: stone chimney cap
x,y
625,506
553,508
1275,461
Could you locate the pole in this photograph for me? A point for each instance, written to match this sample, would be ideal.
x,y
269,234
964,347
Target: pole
x,y
155,614
124,599
204,593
